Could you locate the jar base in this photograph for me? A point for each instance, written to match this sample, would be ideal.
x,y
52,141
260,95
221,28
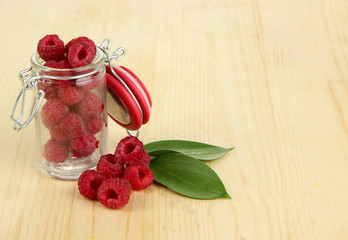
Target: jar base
x,y
71,169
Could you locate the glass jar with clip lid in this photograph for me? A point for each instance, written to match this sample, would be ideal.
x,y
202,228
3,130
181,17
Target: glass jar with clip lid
x,y
70,107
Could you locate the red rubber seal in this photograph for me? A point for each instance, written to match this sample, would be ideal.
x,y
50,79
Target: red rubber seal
x,y
140,82
136,87
116,88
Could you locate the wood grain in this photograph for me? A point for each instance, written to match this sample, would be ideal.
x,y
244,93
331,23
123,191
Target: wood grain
x,y
267,77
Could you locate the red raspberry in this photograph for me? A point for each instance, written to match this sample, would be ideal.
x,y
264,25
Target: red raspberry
x,y
89,183
72,125
70,94
90,107
55,152
83,146
55,69
53,111
130,151
62,64
92,81
49,90
81,40
94,125
139,176
109,166
51,47
58,134
114,193
80,54
145,159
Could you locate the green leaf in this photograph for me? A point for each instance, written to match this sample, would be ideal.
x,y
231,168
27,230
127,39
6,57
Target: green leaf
x,y
187,176
196,150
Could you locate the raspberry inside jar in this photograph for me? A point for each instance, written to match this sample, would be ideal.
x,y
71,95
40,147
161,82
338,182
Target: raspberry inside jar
x,y
73,115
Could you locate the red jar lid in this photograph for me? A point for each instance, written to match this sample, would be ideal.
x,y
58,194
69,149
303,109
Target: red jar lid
x,y
129,102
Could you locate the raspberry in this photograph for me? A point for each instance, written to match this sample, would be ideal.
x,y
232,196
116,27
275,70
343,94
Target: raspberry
x,y
145,159
114,193
70,94
58,134
49,90
53,111
55,69
81,40
55,152
129,150
83,146
109,166
72,125
51,47
139,176
90,107
80,54
94,125
89,183
62,64
91,82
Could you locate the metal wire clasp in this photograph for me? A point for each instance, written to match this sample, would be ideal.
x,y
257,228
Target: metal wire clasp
x,y
117,54
29,82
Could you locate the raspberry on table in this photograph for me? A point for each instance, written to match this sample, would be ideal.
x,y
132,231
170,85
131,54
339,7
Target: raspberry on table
x,y
62,64
114,193
81,40
51,47
71,95
94,125
130,150
109,166
139,176
145,159
80,54
53,111
89,183
90,107
72,125
55,152
83,146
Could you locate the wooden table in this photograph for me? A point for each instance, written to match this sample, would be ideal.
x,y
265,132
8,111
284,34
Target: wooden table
x,y
269,78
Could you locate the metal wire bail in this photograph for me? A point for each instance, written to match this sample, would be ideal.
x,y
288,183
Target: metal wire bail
x,y
131,135
39,94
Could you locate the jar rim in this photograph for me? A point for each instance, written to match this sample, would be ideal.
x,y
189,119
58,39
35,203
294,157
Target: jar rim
x,y
98,62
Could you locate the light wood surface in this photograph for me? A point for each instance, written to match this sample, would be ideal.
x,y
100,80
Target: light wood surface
x,y
267,77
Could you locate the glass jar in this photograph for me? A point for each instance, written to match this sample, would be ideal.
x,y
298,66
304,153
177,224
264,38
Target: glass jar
x,y
71,121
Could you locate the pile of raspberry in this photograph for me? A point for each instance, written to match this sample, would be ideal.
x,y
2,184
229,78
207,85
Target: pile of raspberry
x,y
73,111
117,174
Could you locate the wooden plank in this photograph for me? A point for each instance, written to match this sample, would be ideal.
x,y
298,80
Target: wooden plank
x,y
267,77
